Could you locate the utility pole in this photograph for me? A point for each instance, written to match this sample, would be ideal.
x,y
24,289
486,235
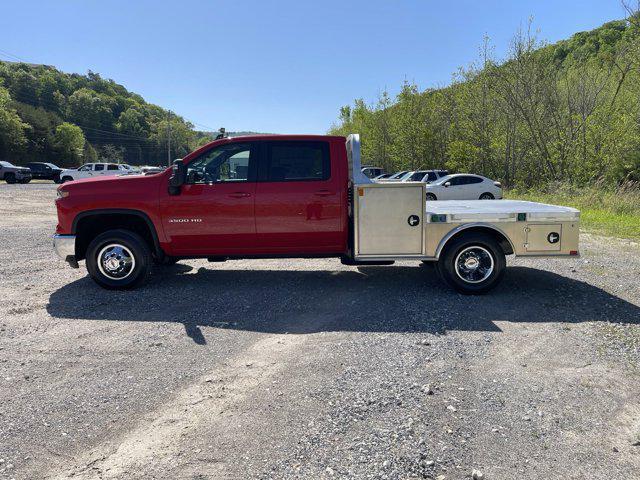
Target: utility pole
x,y
169,138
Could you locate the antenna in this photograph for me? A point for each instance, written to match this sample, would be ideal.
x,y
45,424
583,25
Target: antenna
x,y
169,137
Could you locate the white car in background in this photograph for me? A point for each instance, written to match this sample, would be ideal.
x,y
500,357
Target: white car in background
x,y
90,170
426,176
464,186
396,177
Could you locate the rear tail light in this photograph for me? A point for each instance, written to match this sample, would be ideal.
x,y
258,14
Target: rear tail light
x,y
573,252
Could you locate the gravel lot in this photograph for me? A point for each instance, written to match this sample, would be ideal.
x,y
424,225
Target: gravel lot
x,y
310,369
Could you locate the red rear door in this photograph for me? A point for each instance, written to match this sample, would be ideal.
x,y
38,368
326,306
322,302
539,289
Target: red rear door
x,y
299,199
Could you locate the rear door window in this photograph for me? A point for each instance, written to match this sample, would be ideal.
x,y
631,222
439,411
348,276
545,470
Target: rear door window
x,y
112,166
98,167
295,162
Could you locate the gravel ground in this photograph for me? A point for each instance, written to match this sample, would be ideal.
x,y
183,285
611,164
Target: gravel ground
x,y
310,369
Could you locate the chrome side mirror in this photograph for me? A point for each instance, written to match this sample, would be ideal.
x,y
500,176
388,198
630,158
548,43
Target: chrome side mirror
x,y
447,184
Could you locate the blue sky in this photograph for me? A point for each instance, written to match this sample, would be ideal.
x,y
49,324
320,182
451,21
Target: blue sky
x,y
276,66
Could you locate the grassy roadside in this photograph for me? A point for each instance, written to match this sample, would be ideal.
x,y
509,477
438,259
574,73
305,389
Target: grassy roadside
x,y
613,213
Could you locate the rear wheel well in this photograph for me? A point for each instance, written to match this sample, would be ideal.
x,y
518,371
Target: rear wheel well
x,y
502,240
89,227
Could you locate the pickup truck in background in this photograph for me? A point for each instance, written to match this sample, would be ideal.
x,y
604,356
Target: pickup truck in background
x,y
45,171
297,196
89,170
11,173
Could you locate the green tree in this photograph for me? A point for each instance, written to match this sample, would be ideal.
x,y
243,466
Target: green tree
x,y
12,129
69,141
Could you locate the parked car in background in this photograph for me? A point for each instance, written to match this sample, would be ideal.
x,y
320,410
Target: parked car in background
x,y
89,170
150,169
12,174
384,176
372,172
131,169
464,186
396,177
426,176
45,171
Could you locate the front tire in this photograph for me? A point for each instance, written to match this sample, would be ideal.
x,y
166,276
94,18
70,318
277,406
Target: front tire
x,y
431,197
487,196
472,264
66,179
26,180
10,178
119,260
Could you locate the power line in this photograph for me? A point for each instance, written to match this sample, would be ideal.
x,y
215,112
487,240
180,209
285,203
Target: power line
x,y
52,106
210,129
103,136
11,55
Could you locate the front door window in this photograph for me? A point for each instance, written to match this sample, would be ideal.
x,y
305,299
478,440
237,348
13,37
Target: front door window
x,y
225,164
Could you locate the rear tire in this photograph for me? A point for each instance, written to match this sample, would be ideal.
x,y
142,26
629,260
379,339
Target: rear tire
x,y
431,197
472,264
487,196
10,178
66,179
119,260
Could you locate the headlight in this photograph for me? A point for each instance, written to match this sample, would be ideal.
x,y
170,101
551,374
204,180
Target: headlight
x,y
62,193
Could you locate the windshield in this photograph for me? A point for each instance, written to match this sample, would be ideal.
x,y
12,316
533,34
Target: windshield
x,y
7,164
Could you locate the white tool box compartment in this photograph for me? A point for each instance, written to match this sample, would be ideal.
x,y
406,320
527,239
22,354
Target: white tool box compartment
x,y
389,219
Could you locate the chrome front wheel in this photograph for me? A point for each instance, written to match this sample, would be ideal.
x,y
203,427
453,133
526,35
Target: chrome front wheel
x,y
115,261
119,259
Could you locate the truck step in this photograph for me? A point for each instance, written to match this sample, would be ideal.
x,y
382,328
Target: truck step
x,y
352,262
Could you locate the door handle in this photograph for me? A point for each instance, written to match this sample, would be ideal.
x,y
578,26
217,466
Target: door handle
x,y
323,193
239,195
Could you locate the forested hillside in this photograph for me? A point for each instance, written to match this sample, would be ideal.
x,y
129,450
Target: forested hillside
x,y
50,116
565,112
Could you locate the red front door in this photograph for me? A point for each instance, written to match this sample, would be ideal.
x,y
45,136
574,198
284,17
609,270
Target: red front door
x,y
298,199
214,213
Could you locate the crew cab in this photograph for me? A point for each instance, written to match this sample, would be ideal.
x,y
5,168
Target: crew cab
x,y
89,170
294,196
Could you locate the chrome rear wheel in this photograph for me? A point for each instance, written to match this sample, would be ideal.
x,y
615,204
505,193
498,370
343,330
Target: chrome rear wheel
x,y
474,264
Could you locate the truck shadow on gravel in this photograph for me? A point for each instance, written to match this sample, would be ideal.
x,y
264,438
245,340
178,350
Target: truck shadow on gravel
x,y
370,299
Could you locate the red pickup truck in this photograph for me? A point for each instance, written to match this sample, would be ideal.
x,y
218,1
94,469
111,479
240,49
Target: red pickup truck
x,y
287,196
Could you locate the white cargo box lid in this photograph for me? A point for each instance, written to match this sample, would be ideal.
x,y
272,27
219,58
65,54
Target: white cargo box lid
x,y
499,210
